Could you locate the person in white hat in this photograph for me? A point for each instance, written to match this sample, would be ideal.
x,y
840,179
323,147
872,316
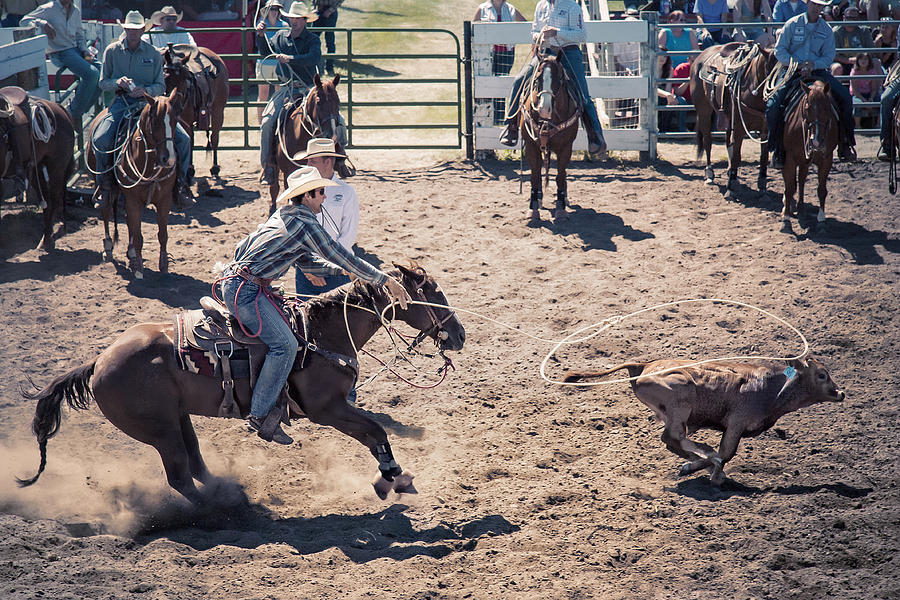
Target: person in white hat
x,y
291,234
270,22
298,52
166,30
132,68
339,216
808,40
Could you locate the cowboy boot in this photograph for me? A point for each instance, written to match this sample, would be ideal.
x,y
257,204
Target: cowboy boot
x,y
510,135
105,186
884,152
596,142
269,175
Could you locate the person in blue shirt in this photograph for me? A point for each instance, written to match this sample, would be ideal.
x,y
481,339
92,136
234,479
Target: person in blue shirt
x,y
809,41
785,10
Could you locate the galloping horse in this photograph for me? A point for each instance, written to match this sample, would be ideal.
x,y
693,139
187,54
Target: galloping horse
x,y
141,389
810,135
204,88
726,81
50,161
549,123
316,116
145,174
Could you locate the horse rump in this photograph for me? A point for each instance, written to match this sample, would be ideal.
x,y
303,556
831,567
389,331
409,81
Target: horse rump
x,y
74,388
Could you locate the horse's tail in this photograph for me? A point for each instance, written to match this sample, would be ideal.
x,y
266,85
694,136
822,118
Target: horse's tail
x,y
74,388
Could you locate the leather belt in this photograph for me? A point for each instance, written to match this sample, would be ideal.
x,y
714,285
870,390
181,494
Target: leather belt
x,y
244,273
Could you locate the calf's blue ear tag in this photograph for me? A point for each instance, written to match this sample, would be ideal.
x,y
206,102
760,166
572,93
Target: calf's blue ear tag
x,y
790,372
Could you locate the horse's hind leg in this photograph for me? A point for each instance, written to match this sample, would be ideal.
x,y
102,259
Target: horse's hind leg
x,y
195,460
177,463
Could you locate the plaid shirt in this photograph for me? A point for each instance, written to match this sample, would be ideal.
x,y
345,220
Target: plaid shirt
x,y
565,15
293,234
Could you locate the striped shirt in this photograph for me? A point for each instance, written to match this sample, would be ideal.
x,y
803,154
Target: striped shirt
x,y
293,234
565,15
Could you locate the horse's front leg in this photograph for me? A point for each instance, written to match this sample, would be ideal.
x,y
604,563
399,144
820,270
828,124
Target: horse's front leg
x,y
562,161
133,211
823,169
162,234
532,155
734,161
761,181
789,173
802,174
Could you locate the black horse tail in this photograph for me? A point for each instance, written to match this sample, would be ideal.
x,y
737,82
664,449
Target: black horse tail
x,y
74,388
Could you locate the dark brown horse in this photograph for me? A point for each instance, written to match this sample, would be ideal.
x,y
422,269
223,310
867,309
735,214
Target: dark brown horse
x,y
202,78
316,116
810,136
145,174
549,123
48,163
726,86
140,388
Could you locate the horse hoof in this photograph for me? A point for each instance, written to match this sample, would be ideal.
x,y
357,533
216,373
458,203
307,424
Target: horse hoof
x,y
560,214
138,274
382,487
710,181
534,218
403,484
214,171
729,194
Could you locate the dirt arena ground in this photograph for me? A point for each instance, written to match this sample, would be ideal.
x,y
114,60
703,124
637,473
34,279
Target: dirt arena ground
x,y
527,489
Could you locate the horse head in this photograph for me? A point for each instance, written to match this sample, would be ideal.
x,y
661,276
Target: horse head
x,y
157,126
322,106
437,322
547,81
818,115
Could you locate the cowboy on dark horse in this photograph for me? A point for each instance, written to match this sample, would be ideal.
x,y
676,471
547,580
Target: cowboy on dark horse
x,y
807,40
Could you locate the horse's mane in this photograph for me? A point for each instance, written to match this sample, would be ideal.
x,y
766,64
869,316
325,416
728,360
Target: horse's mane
x,y
357,292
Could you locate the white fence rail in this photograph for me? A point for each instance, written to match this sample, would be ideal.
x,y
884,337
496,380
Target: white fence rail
x,y
487,87
25,59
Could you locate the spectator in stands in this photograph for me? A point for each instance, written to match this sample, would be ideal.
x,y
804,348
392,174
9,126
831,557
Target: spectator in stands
x,y
877,9
15,10
753,11
268,25
133,69
328,17
60,20
627,55
809,41
849,35
298,52
887,38
502,56
672,94
339,216
557,25
709,12
166,30
676,38
865,90
787,9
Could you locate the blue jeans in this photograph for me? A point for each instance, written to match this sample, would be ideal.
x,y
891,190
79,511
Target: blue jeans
x,y
88,91
243,300
305,286
105,137
329,21
10,20
573,65
270,120
888,98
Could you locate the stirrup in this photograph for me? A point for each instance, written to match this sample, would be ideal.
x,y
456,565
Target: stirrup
x,y
510,136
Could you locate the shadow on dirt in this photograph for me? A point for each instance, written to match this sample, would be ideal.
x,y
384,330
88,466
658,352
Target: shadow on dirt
x,y
699,488
595,229
388,533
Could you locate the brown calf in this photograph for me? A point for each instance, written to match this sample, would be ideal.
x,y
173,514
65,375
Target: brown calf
x,y
739,399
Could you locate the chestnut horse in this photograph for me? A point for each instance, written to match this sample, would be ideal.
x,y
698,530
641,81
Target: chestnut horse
x,y
317,116
50,163
738,71
549,123
810,135
204,105
141,389
145,174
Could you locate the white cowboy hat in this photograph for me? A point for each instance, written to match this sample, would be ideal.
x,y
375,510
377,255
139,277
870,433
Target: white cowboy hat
x,y
272,4
133,20
300,9
166,11
319,147
301,181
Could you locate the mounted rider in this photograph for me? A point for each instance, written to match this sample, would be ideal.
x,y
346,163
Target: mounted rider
x,y
132,69
807,40
557,26
298,52
292,234
888,100
165,29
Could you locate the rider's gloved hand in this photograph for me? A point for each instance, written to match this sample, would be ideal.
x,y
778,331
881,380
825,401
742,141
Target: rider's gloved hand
x,y
397,292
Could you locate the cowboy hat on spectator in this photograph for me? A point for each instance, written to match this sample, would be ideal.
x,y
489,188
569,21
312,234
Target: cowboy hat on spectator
x,y
303,180
270,5
300,10
319,147
133,20
166,11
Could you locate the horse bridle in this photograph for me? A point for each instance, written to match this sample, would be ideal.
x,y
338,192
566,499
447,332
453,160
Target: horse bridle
x,y
818,125
314,127
437,325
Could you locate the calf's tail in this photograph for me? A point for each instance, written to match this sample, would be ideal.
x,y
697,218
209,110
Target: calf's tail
x,y
74,388
634,369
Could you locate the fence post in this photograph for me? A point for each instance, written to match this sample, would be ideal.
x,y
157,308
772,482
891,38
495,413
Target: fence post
x,y
467,62
648,67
